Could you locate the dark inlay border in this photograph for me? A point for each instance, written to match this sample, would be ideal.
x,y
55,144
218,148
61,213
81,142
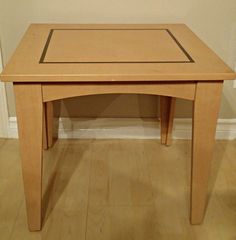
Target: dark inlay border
x,y
42,58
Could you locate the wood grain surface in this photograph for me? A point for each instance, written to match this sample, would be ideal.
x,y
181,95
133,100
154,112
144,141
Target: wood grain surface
x,y
83,188
30,128
152,52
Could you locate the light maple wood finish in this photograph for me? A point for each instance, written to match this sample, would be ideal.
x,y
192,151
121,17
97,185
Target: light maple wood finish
x,y
29,108
59,91
103,46
48,125
24,66
167,109
180,62
45,134
49,118
205,114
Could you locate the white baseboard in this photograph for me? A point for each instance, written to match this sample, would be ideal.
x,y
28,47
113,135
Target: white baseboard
x,y
127,128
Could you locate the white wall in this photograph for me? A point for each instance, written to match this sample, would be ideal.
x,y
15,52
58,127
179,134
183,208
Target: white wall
x,y
3,105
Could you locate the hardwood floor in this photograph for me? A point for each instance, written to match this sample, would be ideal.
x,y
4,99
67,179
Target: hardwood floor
x,y
118,189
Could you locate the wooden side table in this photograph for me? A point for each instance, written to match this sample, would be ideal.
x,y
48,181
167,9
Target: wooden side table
x,y
60,61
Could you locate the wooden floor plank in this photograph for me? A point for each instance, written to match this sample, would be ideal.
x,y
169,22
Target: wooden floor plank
x,y
11,186
66,179
119,175
119,189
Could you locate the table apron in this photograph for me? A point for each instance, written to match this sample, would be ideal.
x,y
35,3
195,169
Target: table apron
x,y
57,91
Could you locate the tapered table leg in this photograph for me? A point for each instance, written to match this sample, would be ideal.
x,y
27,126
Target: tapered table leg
x,y
29,109
45,134
205,113
167,108
48,125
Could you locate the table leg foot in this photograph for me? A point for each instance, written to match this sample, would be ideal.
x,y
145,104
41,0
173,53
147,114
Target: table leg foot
x,y
205,113
29,108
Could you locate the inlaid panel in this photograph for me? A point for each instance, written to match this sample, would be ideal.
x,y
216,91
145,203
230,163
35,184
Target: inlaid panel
x,y
113,46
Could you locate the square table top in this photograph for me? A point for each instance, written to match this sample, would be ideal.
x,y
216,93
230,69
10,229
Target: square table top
x,y
108,52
